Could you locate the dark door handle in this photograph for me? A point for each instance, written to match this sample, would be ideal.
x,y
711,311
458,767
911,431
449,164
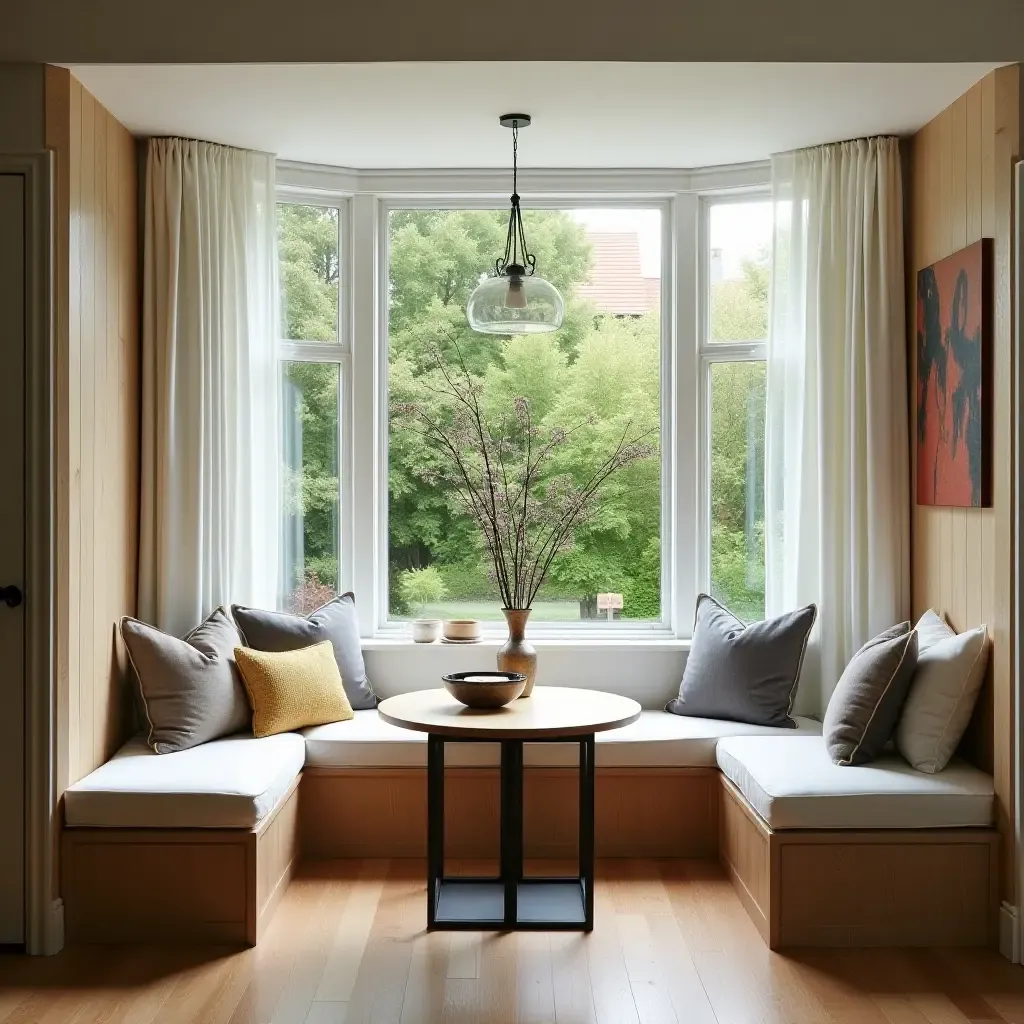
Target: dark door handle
x,y
11,596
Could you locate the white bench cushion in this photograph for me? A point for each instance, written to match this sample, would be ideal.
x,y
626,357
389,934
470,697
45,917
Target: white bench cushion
x,y
791,782
228,783
656,739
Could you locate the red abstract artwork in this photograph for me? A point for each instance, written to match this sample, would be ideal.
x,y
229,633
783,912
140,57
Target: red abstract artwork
x,y
954,391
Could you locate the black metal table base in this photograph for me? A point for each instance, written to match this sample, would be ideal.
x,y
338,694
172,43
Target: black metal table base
x,y
510,901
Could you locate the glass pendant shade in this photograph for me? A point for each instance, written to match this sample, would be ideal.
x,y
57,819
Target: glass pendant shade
x,y
510,304
515,300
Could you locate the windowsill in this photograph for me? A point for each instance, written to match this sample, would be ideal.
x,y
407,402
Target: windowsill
x,y
632,642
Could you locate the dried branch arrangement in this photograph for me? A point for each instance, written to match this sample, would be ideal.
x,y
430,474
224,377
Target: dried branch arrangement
x,y
502,475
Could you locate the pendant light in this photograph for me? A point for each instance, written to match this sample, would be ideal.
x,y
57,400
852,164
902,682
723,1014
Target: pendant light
x,y
515,300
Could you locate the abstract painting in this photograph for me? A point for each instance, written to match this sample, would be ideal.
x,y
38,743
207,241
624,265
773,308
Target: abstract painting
x,y
954,389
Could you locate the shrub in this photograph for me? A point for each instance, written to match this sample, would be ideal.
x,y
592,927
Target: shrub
x,y
420,587
641,598
310,594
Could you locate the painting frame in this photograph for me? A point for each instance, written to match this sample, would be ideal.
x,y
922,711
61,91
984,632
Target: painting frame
x,y
953,386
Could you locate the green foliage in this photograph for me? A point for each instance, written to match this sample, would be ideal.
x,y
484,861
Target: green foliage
x,y
739,307
642,599
737,487
311,483
597,368
307,240
420,587
467,580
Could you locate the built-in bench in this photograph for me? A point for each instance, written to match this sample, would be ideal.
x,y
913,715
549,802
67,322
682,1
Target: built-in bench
x,y
878,855
199,845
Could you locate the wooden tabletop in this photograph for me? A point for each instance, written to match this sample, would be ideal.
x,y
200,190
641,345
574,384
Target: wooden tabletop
x,y
548,712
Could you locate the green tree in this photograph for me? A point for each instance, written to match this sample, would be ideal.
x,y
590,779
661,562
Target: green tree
x,y
307,242
614,388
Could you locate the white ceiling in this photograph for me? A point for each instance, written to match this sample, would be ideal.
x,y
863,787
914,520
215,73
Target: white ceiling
x,y
585,114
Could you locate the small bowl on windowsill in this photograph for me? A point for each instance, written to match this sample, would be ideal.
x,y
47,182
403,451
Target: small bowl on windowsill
x,y
482,690
462,630
426,631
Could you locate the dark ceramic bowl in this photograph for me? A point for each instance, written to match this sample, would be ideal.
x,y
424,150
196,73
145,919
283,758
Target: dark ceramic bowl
x,y
485,689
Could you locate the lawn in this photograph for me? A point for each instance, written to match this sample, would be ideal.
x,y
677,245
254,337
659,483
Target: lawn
x,y
490,611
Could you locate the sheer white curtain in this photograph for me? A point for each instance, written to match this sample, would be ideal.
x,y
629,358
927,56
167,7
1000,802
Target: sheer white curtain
x,y
209,509
836,503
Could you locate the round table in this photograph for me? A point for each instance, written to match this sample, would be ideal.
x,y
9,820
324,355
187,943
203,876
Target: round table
x,y
552,714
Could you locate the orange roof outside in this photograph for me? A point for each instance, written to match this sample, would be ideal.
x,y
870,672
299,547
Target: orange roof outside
x,y
617,286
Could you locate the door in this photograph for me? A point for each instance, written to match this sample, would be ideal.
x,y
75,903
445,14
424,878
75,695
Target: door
x,y
12,558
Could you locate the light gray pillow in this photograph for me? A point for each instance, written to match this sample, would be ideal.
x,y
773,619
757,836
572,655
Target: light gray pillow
x,y
862,713
191,691
335,621
949,676
743,673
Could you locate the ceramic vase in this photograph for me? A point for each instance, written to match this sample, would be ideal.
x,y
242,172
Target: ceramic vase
x,y
518,654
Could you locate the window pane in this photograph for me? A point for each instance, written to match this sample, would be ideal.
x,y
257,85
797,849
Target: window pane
x,y
597,378
740,239
310,483
737,487
307,247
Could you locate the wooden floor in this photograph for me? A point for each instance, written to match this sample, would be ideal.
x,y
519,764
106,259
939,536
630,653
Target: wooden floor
x,y
672,943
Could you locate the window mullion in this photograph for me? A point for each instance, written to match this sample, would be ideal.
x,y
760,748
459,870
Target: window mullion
x,y
368,520
687,420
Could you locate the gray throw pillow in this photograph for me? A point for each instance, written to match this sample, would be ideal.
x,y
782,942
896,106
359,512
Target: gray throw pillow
x,y
335,621
191,691
743,673
863,711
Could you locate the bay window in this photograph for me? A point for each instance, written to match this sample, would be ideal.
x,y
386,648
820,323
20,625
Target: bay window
x,y
665,331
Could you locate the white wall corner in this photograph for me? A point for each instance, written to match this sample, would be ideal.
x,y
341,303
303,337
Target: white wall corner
x,y
1009,932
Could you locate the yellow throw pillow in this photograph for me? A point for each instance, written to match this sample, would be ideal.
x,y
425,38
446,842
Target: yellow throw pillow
x,y
292,689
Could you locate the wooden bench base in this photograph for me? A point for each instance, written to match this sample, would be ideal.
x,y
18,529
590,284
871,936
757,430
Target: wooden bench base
x,y
921,887
382,812
177,885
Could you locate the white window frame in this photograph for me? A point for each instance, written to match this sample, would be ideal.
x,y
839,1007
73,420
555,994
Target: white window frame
x,y
712,352
365,199
338,352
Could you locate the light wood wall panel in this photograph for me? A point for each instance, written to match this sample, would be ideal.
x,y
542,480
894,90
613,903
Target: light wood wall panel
x,y
97,418
961,190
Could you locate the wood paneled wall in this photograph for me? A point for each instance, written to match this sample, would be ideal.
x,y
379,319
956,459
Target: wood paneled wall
x,y
961,189
97,418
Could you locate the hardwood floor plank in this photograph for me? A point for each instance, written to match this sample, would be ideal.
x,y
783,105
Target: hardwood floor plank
x,y
327,902
379,991
464,955
685,988
570,979
327,1013
646,979
425,986
613,995
534,981
351,935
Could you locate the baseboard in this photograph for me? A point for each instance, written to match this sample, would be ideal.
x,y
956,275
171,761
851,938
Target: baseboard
x,y
1009,932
